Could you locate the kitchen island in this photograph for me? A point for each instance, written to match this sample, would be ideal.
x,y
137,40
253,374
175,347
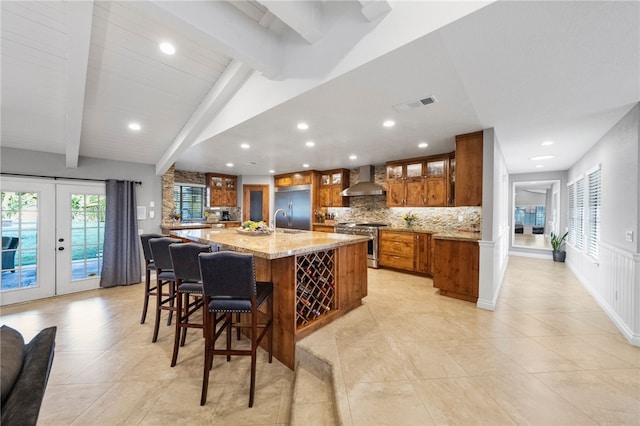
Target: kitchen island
x,y
317,277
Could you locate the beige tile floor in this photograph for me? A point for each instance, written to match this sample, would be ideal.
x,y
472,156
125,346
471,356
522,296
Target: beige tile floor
x,y
547,355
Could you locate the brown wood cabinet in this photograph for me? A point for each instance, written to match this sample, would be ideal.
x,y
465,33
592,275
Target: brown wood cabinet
x,y
468,175
332,183
322,227
456,268
293,179
407,251
223,190
418,182
424,253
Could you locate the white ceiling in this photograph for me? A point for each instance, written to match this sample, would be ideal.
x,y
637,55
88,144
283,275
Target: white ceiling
x,y
74,74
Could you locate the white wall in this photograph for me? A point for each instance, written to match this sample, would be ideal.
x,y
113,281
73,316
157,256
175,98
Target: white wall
x,y
495,221
528,198
614,278
48,164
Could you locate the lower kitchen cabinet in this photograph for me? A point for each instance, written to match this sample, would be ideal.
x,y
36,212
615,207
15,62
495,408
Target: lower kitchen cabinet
x,y
456,268
407,251
424,253
322,227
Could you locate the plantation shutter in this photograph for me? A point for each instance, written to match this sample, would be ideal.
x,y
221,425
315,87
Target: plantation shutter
x,y
593,204
579,213
572,214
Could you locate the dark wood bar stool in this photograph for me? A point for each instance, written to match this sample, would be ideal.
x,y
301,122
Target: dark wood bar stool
x,y
165,276
149,267
187,272
229,283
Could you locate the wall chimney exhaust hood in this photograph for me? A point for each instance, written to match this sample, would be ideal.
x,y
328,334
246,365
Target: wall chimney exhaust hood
x,y
366,186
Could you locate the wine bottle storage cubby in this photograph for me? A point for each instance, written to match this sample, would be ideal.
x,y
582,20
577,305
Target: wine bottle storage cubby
x,y
315,286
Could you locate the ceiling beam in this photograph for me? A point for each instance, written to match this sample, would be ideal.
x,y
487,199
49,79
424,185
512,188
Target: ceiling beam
x,y
374,9
233,32
305,18
80,18
233,77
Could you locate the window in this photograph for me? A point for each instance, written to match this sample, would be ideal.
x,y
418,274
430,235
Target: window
x,y
579,213
571,239
593,213
189,200
530,215
584,213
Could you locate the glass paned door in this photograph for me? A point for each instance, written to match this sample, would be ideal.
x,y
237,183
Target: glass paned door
x,y
80,236
28,231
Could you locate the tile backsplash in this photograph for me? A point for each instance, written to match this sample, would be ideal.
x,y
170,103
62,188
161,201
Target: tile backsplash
x,y
374,209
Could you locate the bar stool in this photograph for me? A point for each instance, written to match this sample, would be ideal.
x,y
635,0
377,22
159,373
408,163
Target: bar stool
x,y
149,266
165,275
229,283
186,268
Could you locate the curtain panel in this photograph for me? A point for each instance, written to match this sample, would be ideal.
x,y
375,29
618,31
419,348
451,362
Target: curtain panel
x,y
121,256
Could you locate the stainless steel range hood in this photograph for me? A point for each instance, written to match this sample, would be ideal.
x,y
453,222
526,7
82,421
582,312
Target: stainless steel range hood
x,y
366,186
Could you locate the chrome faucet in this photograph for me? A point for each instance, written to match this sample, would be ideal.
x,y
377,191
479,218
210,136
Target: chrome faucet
x,y
284,214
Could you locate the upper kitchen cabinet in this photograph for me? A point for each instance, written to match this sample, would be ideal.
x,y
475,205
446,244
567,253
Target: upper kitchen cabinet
x,y
421,182
468,174
332,183
223,190
293,179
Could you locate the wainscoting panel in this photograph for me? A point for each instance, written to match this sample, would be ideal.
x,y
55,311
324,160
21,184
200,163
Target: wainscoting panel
x,y
615,284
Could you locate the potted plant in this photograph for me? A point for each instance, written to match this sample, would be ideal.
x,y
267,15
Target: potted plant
x,y
557,243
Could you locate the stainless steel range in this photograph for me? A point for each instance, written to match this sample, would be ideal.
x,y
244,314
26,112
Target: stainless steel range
x,y
369,229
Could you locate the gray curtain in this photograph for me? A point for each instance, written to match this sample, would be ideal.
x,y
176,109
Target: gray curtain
x,y
121,262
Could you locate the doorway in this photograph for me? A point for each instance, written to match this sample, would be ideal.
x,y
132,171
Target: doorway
x,y
255,203
535,213
58,232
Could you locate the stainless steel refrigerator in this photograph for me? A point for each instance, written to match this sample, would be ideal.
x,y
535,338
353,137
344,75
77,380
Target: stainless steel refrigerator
x,y
296,202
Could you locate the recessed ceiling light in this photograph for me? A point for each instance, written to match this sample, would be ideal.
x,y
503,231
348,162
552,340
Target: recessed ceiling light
x,y
310,143
229,164
244,146
305,165
539,166
423,145
542,157
134,126
353,157
303,126
167,48
389,123
547,143
272,171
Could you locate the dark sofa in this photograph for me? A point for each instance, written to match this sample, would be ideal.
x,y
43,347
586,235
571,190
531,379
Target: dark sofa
x,y
24,374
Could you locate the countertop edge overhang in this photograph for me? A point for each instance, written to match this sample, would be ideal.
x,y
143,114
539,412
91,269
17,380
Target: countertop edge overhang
x,y
274,246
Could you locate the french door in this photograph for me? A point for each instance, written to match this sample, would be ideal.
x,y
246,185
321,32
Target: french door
x,y
52,236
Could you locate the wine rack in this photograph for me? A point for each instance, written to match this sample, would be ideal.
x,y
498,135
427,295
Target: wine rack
x,y
315,286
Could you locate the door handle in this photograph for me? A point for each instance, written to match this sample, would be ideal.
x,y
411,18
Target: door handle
x,y
60,248
60,240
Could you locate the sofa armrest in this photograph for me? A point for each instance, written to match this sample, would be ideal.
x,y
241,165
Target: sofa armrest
x,y
23,404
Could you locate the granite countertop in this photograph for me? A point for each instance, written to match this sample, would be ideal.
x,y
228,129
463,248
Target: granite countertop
x,y
457,235
195,225
186,225
270,246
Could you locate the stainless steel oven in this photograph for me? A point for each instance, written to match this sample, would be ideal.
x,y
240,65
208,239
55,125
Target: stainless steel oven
x,y
369,229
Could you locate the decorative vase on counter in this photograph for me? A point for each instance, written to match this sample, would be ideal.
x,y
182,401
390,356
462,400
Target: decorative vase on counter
x,y
409,223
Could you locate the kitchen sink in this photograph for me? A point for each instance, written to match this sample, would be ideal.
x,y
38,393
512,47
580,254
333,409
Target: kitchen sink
x,y
290,231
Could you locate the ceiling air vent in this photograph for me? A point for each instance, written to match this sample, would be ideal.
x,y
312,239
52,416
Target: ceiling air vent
x,y
414,104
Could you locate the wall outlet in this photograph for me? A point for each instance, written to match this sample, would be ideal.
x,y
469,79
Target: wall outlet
x,y
628,236
460,218
152,214
152,204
